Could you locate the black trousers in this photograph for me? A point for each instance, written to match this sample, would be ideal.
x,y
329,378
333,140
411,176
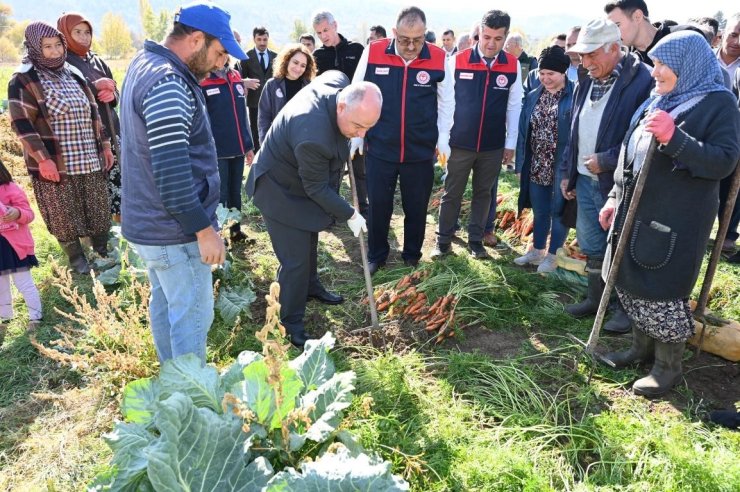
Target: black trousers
x,y
358,165
416,180
253,128
296,250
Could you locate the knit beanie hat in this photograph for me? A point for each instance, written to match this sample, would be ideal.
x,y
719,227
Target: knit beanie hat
x,y
554,58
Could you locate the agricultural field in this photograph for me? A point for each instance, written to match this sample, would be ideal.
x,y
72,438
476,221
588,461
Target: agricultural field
x,y
504,402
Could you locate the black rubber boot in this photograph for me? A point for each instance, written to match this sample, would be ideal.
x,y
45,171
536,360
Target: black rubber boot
x,y
590,305
619,322
642,350
76,255
666,372
100,244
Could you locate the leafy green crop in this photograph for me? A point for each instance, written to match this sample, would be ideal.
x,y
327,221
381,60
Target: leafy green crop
x,y
195,429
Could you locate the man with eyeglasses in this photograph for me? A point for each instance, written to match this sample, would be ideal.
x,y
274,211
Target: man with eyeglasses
x,y
418,103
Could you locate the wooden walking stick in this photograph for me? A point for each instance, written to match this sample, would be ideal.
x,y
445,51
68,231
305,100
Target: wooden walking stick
x,y
706,286
624,235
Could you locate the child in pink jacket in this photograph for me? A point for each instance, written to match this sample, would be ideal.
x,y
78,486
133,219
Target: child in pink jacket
x,y
16,251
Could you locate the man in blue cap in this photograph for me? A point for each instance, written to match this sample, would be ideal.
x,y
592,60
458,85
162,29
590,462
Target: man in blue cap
x,y
170,187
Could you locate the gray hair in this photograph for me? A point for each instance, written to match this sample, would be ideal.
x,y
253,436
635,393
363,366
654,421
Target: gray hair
x,y
730,24
354,94
463,41
515,38
322,16
608,46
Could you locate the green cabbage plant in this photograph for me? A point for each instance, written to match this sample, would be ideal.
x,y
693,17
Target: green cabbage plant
x,y
264,424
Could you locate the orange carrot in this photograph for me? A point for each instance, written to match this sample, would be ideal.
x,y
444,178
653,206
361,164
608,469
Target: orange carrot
x,y
411,291
383,306
403,283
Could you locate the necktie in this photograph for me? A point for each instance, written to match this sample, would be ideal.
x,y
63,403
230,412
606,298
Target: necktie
x,y
262,61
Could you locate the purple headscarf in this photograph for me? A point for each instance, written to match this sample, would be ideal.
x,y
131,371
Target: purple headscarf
x,y
35,32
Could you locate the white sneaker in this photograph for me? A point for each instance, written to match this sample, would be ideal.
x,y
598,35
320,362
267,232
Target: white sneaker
x,y
533,257
548,265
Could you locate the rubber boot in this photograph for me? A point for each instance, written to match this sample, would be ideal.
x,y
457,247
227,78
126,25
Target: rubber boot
x,y
666,372
76,256
589,305
100,244
642,350
619,322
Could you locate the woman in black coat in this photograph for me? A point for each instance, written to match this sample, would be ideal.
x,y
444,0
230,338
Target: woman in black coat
x,y
294,68
696,123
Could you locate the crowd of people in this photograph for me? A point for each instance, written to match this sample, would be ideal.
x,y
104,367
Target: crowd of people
x,y
578,122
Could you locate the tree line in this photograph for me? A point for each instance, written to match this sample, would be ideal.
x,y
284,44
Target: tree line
x,y
113,39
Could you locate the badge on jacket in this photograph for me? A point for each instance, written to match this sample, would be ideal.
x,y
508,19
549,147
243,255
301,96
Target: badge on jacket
x,y
213,92
279,93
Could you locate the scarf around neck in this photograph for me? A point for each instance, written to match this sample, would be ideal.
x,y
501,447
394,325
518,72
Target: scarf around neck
x,y
35,32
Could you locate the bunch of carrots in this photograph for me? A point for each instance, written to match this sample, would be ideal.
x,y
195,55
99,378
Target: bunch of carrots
x,y
520,227
404,301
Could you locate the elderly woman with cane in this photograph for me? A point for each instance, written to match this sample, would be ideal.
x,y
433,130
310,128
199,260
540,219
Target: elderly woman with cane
x,y
696,124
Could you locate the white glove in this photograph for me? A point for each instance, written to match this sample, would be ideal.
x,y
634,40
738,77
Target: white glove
x,y
356,144
357,223
443,149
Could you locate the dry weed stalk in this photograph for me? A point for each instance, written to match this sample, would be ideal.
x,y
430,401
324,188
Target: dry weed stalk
x,y
112,334
275,351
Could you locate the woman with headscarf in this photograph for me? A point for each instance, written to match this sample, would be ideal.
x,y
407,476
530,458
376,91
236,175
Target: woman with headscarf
x,y
79,34
65,147
293,69
696,124
544,127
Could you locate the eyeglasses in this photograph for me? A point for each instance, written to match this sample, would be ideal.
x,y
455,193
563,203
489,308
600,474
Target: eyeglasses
x,y
404,41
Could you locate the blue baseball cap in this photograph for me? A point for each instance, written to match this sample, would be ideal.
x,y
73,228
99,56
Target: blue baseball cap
x,y
211,19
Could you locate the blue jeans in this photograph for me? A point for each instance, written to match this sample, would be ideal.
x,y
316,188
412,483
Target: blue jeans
x,y
546,199
181,301
231,172
591,237
492,209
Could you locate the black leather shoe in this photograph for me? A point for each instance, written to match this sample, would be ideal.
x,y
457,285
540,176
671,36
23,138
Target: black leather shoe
x,y
374,267
300,339
477,250
411,263
326,297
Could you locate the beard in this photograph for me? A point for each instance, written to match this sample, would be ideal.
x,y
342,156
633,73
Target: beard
x,y
198,63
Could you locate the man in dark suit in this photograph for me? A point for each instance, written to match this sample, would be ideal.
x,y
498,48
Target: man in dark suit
x,y
290,182
255,71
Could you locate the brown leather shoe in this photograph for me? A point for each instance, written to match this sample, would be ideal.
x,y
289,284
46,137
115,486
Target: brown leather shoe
x,y
489,239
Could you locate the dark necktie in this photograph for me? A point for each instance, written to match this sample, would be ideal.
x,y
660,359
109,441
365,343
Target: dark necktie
x,y
262,62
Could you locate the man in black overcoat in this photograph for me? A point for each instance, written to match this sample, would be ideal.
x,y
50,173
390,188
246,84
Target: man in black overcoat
x,y
290,182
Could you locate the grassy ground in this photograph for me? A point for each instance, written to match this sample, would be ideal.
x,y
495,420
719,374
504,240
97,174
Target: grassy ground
x,y
507,405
